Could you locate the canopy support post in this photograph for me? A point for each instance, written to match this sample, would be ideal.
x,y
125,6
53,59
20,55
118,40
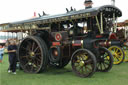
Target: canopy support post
x,y
114,22
101,18
98,24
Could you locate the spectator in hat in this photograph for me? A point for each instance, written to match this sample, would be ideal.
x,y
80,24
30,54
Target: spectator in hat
x,y
88,4
91,22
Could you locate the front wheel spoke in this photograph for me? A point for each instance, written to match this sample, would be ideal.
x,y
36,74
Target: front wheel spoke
x,y
76,64
84,57
78,61
88,68
106,63
100,66
119,53
78,57
88,61
114,49
77,68
105,56
105,59
117,50
117,58
82,71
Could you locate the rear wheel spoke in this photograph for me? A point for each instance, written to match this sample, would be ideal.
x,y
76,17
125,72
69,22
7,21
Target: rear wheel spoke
x,y
36,49
33,45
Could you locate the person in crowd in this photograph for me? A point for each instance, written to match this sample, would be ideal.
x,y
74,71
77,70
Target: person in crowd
x,y
1,53
12,56
88,4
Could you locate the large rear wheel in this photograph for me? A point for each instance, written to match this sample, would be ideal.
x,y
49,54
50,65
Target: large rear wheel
x,y
33,54
83,63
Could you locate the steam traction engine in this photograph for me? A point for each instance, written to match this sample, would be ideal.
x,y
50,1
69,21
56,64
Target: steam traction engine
x,y
60,38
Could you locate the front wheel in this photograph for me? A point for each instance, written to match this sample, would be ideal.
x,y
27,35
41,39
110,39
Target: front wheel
x,y
104,60
118,54
125,49
83,63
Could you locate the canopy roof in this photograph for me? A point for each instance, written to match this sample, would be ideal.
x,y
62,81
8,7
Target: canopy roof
x,y
107,11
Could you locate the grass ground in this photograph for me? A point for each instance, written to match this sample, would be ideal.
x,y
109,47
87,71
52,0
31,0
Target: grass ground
x,y
117,76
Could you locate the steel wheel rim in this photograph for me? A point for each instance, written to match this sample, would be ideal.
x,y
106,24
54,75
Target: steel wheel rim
x,y
125,49
117,53
104,61
82,65
32,61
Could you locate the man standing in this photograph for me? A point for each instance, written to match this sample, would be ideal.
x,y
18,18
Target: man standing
x,y
88,4
12,56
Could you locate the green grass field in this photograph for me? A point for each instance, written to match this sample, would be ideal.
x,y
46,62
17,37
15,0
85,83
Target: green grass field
x,y
117,76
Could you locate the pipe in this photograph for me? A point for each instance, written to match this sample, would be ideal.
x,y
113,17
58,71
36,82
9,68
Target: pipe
x,y
109,43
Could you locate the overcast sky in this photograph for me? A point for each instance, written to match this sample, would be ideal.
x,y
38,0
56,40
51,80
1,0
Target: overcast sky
x,y
15,10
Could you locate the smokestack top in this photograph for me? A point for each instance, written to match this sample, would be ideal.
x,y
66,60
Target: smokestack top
x,y
34,14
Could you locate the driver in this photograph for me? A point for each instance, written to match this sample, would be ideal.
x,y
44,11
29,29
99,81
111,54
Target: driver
x,y
88,4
